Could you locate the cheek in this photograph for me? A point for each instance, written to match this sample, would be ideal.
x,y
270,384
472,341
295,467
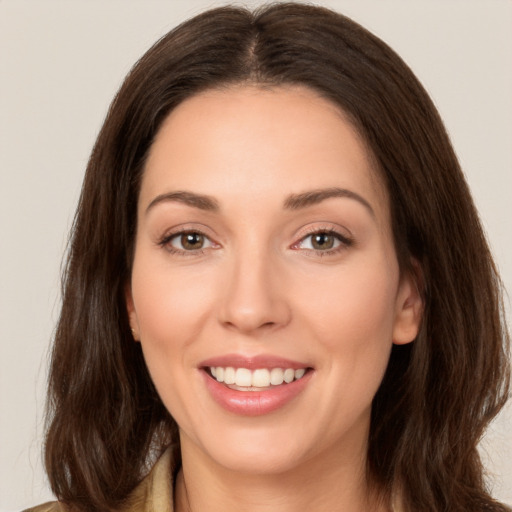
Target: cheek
x,y
352,312
170,306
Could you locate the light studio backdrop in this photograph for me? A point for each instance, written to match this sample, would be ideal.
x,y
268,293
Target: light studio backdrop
x,y
61,63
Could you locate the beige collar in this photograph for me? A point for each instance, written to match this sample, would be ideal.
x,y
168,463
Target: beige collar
x,y
155,492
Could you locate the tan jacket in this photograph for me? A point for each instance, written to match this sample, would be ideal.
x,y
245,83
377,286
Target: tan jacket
x,y
153,494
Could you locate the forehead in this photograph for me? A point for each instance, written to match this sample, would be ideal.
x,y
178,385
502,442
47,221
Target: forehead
x,y
254,141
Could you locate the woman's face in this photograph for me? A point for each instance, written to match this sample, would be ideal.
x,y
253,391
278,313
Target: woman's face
x,y
264,255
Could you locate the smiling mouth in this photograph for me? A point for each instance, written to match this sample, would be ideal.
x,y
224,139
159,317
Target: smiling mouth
x,y
261,379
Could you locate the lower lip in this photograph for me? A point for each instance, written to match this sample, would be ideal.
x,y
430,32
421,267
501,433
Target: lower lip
x,y
255,403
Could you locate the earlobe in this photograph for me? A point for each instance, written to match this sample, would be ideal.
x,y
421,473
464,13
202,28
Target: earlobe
x,y
409,307
132,315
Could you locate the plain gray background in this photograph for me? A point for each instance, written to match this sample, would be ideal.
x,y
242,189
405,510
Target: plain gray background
x,y
61,63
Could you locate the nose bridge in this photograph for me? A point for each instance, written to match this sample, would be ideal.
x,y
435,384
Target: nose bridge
x,y
254,297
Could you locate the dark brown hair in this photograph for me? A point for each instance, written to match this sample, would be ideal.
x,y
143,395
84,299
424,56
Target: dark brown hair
x,y
106,422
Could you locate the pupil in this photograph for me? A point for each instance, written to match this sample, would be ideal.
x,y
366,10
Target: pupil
x,y
323,241
192,240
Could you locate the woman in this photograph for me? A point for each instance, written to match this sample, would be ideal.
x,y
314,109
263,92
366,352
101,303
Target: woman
x,y
264,285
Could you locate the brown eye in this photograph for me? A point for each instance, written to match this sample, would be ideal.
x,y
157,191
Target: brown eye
x,y
189,241
322,241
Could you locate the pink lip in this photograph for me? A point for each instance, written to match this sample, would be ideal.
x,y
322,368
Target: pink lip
x,y
253,403
253,362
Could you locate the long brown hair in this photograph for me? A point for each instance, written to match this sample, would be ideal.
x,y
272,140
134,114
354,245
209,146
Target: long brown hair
x,y
106,422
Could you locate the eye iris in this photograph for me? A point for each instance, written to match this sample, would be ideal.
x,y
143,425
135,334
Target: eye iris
x,y
322,241
192,241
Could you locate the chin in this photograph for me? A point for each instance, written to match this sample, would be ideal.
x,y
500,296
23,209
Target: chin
x,y
262,460
266,450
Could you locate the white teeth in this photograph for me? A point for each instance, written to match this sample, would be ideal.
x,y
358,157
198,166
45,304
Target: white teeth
x,y
229,375
276,376
243,377
260,378
299,373
289,375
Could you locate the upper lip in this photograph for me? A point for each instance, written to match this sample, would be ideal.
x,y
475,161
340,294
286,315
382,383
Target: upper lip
x,y
253,362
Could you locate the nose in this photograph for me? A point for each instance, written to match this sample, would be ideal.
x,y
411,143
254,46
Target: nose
x,y
254,298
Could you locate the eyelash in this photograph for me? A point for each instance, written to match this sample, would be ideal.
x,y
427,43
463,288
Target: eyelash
x,y
165,242
344,242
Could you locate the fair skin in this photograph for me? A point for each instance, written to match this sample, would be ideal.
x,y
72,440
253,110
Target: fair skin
x,y
263,231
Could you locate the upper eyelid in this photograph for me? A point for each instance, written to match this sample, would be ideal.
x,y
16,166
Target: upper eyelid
x,y
343,239
326,231
167,238
187,228
326,227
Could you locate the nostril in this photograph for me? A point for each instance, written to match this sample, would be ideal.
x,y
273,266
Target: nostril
x,y
248,324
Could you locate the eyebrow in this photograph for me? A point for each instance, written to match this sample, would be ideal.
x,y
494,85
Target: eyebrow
x,y
292,202
200,201
312,197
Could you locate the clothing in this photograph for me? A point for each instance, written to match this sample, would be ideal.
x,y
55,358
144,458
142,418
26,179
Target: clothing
x,y
153,494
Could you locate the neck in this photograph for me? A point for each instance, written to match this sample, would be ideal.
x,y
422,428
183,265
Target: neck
x,y
327,482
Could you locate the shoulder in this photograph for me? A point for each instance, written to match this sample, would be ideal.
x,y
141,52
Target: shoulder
x,y
154,493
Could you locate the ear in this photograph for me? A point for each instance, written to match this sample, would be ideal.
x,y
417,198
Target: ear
x,y
409,306
132,315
